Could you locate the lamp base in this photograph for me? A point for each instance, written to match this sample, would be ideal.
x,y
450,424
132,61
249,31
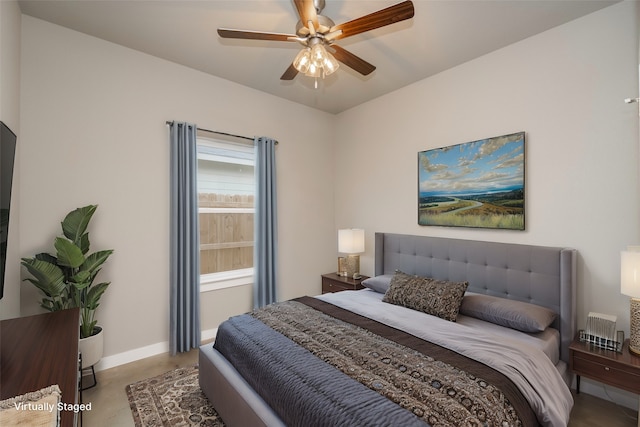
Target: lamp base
x,y
352,266
634,338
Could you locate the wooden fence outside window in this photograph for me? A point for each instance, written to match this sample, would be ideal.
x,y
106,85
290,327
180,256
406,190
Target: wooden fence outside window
x,y
226,232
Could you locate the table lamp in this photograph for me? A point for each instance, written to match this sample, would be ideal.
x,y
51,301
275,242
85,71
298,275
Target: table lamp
x,y
630,285
351,242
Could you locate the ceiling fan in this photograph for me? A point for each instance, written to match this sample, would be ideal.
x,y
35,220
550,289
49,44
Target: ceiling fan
x,y
317,32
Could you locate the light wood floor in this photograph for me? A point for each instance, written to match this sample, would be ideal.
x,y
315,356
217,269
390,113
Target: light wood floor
x,y
110,407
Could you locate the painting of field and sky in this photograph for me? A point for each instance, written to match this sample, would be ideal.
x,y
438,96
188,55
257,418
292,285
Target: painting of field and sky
x,y
476,184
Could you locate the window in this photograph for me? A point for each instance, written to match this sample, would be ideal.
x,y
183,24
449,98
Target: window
x,y
226,189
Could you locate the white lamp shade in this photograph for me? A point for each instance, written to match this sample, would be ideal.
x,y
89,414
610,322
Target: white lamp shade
x,y
630,273
351,241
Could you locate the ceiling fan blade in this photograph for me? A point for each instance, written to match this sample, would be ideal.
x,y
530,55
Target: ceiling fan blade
x,y
388,16
307,11
255,35
290,73
352,61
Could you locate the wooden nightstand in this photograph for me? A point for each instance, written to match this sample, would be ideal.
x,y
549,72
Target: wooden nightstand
x,y
620,370
331,282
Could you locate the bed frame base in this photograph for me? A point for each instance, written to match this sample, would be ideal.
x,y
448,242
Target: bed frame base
x,y
232,397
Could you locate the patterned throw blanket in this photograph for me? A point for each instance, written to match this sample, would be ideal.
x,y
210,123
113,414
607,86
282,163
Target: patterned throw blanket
x,y
439,386
432,389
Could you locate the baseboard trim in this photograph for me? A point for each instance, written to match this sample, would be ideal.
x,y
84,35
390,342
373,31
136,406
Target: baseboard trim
x,y
144,352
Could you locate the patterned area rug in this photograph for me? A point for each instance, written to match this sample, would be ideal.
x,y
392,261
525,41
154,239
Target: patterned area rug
x,y
171,399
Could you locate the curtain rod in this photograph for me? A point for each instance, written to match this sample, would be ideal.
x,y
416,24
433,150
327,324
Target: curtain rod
x,y
222,133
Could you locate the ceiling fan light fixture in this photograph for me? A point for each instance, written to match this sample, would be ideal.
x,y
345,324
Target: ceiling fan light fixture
x,y
315,61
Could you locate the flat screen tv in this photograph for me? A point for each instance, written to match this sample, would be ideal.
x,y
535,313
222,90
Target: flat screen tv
x,y
7,155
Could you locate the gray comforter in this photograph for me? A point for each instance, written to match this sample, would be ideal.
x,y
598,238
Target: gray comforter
x,y
305,391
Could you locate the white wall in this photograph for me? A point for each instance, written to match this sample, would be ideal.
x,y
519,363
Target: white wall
x,y
565,89
10,19
93,131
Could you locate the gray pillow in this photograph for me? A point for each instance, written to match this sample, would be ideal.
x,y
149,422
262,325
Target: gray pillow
x,y
379,284
436,297
517,315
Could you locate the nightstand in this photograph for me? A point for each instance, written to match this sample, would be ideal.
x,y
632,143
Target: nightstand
x,y
620,370
332,282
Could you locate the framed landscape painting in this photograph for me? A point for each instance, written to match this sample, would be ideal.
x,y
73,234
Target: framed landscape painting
x,y
477,184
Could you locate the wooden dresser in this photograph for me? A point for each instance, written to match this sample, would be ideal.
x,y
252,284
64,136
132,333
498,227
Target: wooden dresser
x,y
39,351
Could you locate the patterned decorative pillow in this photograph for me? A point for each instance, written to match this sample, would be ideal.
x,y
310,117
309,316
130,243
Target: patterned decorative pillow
x,y
436,297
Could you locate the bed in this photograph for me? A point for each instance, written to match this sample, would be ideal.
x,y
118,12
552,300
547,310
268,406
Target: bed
x,y
241,376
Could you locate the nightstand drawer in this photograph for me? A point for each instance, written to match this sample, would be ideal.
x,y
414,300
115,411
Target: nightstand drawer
x,y
328,286
608,372
331,282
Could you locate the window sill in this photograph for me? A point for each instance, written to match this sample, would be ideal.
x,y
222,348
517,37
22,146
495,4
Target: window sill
x,y
227,279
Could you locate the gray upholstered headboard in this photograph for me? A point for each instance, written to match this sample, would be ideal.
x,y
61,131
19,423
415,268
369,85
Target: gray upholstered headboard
x,y
539,275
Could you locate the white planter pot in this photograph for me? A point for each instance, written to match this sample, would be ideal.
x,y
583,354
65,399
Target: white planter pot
x,y
91,349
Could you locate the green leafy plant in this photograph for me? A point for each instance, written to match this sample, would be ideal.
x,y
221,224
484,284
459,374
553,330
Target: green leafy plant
x,y
67,279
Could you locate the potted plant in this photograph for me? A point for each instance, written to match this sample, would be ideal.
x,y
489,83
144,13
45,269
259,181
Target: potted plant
x,y
67,279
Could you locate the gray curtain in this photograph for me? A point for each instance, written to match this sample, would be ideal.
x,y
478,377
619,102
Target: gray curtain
x,y
266,221
184,242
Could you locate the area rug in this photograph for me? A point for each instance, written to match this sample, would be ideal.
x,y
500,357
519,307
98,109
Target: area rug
x,y
171,399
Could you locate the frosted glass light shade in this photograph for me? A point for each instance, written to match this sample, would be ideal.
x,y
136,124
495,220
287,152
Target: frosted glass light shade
x,y
351,241
303,60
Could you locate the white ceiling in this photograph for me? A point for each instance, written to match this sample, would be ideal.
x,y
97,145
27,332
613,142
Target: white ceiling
x,y
443,34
